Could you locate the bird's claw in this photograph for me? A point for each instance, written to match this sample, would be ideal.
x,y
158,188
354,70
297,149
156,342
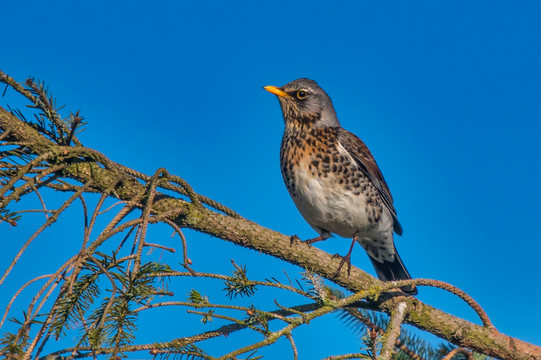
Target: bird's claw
x,y
345,259
308,242
292,239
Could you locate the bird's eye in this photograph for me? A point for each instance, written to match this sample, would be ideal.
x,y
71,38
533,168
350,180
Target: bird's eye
x,y
301,94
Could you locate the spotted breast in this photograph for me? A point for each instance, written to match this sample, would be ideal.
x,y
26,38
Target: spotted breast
x,y
331,192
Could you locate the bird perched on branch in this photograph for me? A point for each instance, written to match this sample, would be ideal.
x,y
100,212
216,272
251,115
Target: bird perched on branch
x,y
334,180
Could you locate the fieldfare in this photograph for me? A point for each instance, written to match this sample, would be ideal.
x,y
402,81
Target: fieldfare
x,y
334,180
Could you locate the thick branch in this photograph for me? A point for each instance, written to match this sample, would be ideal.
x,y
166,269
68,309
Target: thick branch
x,y
251,235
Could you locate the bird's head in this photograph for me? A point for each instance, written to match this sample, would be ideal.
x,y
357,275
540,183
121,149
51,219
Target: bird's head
x,y
304,103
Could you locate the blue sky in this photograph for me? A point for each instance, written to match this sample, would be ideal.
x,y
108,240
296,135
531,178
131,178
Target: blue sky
x,y
446,94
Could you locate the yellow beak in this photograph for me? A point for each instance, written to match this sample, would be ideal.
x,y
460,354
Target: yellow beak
x,y
276,91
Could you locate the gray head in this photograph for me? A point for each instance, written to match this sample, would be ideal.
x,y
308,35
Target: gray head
x,y
303,102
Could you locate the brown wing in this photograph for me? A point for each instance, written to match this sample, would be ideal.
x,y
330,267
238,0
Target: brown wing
x,y
359,151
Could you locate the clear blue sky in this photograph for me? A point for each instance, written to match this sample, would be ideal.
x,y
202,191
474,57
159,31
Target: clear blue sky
x,y
446,95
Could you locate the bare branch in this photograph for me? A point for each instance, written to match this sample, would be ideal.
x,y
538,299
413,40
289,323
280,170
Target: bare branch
x,y
393,331
457,351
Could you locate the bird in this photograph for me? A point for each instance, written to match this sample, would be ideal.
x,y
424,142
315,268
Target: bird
x,y
335,181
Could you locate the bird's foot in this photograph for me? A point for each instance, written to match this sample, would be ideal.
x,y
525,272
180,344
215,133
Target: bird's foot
x,y
309,242
292,239
345,259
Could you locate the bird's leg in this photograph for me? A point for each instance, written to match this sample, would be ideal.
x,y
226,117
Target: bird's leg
x,y
309,241
345,259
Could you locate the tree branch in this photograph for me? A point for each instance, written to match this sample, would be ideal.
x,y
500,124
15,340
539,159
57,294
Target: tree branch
x,y
87,164
393,331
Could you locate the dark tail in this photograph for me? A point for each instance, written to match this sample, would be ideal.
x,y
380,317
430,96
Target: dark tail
x,y
393,271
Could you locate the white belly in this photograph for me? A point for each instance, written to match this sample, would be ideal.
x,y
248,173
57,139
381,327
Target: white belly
x,y
327,205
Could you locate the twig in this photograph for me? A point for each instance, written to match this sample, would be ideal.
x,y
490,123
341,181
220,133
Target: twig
x,y
455,351
51,313
348,356
393,331
293,346
141,233
111,207
399,344
8,307
49,221
113,292
158,246
230,278
6,79
110,228
52,114
90,226
229,318
274,336
87,230
45,211
454,290
30,184
22,171
186,260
